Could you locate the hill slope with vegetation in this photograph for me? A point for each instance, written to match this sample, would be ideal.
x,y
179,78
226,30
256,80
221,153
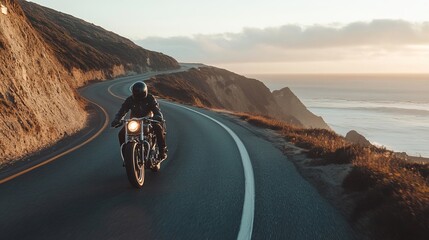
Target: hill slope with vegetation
x,y
38,106
218,88
44,56
384,195
89,51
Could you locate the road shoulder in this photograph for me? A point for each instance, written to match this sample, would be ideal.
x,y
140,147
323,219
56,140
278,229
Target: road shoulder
x,y
97,119
326,180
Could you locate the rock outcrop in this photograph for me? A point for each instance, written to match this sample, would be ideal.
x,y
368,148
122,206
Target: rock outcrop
x,y
218,88
357,138
289,103
37,104
89,51
44,56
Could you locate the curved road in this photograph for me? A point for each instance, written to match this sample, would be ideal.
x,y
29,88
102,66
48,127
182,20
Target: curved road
x,y
199,193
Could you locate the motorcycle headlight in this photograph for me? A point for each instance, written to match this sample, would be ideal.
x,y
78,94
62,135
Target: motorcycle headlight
x,y
133,126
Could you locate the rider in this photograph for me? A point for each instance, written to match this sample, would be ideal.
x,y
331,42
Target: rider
x,y
142,104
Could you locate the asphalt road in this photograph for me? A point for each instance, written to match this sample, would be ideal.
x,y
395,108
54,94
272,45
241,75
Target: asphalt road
x,y
200,192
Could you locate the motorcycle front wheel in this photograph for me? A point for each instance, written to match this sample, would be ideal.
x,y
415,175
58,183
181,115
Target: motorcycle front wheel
x,y
134,164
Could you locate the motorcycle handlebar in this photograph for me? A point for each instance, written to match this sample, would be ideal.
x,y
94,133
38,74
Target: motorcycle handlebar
x,y
145,118
122,121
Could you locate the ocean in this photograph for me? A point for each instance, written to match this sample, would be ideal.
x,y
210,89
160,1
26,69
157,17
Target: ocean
x,y
389,110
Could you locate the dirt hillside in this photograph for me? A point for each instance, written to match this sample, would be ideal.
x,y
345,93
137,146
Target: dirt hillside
x,y
218,88
44,56
89,51
289,103
38,106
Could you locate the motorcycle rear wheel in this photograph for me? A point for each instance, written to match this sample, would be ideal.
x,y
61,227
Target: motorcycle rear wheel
x,y
133,164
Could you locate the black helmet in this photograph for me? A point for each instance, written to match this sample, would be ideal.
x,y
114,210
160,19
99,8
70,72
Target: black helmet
x,y
139,90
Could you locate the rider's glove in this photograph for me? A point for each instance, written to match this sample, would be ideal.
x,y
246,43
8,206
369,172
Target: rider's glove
x,y
115,123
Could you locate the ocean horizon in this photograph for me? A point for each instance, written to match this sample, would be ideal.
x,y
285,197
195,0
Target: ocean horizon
x,y
390,110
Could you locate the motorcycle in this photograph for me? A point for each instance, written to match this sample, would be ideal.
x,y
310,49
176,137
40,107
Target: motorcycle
x,y
140,150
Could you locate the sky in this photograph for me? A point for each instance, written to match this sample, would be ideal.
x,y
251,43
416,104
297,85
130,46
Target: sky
x,y
272,36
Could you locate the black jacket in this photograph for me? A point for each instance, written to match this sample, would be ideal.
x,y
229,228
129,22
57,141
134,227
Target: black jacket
x,y
140,108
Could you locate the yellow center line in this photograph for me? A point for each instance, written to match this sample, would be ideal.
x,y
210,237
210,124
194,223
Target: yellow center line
x,y
113,94
106,121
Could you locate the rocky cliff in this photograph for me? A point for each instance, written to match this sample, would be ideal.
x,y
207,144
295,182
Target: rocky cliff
x,y
357,138
218,88
37,104
89,51
44,56
289,103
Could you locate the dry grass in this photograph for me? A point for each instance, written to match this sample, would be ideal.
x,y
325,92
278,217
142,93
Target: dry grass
x,y
394,193
320,143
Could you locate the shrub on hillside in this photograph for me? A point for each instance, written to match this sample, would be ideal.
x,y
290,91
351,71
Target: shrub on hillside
x,y
394,193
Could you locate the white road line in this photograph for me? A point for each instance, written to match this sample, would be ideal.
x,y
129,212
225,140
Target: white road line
x,y
112,93
246,226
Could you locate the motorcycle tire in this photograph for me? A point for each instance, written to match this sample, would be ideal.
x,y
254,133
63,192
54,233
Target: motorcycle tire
x,y
135,170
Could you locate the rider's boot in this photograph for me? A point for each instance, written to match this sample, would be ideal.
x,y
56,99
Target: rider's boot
x,y
163,153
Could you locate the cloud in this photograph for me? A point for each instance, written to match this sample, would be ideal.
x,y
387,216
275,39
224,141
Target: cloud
x,y
358,40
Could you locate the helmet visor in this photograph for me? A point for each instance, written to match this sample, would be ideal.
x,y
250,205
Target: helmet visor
x,y
139,90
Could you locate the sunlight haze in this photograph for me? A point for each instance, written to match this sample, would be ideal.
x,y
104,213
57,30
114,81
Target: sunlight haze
x,y
273,36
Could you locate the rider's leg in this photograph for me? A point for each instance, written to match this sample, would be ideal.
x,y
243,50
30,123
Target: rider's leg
x,y
160,136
